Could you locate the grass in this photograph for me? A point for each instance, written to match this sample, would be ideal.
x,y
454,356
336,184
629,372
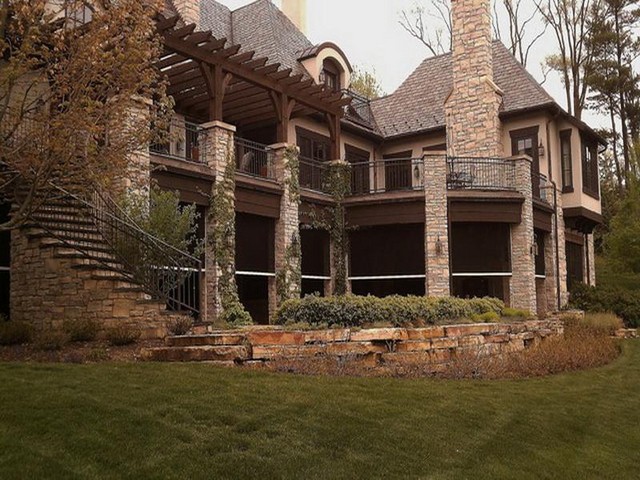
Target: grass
x,y
198,421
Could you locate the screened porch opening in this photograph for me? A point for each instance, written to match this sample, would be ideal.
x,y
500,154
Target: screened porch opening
x,y
388,260
5,262
315,261
575,264
481,260
255,264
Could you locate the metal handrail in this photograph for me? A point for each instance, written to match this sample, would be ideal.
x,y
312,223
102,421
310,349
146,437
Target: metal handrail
x,y
253,158
183,143
314,175
162,271
480,173
388,175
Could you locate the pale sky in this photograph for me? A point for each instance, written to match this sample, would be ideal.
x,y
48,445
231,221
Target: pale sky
x,y
370,35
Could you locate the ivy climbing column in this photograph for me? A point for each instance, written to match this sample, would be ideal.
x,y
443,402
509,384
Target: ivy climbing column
x,y
288,281
220,302
339,182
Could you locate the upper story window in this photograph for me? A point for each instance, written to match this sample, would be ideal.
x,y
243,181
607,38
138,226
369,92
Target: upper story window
x,y
590,180
313,146
566,161
330,75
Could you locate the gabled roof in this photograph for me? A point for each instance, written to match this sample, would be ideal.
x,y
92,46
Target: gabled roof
x,y
418,104
259,26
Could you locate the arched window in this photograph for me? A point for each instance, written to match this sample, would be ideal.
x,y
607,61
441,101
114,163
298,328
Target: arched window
x,y
330,74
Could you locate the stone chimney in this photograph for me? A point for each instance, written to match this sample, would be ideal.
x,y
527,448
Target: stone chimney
x,y
296,10
189,10
472,108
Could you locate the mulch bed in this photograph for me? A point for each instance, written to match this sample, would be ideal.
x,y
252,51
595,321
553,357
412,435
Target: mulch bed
x,y
92,352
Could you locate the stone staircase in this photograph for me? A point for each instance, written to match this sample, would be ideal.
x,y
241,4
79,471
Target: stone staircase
x,y
64,269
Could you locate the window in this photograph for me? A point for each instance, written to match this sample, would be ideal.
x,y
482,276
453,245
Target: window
x,y
590,181
360,171
525,142
313,146
330,75
566,161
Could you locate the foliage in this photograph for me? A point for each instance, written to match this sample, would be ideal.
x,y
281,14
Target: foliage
x,y
163,217
623,242
51,340
180,326
122,335
222,215
356,311
624,304
515,313
608,322
81,330
366,83
15,333
289,276
66,86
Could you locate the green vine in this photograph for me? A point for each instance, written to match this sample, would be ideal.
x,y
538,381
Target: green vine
x,y
334,221
289,277
223,242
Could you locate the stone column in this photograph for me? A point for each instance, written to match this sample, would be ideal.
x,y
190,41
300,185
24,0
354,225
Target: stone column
x,y
562,253
556,268
288,281
436,227
338,170
590,254
523,282
218,151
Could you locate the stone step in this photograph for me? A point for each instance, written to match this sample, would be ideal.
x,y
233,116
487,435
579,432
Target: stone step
x,y
206,340
224,353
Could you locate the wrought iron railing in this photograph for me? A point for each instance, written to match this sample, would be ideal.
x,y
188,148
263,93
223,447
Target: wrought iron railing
x,y
161,270
314,175
387,176
184,141
466,173
359,110
254,159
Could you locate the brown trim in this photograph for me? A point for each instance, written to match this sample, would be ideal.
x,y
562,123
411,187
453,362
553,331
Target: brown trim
x,y
399,213
495,211
542,220
356,152
586,144
574,237
435,148
401,155
525,132
564,136
314,51
257,203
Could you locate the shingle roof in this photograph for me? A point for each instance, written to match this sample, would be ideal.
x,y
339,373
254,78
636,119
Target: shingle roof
x,y
418,104
259,26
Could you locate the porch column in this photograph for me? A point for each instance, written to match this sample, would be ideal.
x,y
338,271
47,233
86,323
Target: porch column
x,y
288,282
556,265
219,154
340,180
523,282
590,258
436,226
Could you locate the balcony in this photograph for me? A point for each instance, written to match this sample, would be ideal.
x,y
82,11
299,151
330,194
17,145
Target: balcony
x,y
359,111
254,159
314,175
392,175
496,174
183,143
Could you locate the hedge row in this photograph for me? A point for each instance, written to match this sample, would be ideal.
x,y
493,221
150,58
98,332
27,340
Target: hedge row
x,y
356,311
625,304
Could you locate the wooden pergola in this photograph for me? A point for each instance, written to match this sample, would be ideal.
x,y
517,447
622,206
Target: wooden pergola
x,y
212,81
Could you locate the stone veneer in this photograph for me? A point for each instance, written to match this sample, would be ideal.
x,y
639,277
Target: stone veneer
x,y
472,108
218,149
436,233
590,252
436,344
522,293
287,228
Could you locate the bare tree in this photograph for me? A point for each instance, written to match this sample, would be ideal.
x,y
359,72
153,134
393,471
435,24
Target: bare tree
x,y
569,20
431,24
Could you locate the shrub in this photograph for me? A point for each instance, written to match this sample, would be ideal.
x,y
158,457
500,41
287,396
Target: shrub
x,y
236,316
625,304
487,317
81,330
51,340
356,311
15,333
607,322
515,313
180,326
123,335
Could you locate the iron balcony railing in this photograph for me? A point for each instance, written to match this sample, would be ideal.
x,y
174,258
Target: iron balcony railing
x,y
254,159
387,176
162,271
466,173
184,141
359,110
314,175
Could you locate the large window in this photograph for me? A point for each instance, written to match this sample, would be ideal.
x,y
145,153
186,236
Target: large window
x,y
313,146
590,181
566,161
330,75
525,142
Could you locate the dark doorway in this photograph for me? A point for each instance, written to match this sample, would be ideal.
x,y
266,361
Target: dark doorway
x,y
255,263
5,262
388,260
575,264
480,259
397,171
315,261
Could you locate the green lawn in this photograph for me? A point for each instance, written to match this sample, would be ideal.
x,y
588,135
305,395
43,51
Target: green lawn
x,y
197,421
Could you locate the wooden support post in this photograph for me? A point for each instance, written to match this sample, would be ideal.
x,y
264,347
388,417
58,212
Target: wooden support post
x,y
283,107
335,134
217,82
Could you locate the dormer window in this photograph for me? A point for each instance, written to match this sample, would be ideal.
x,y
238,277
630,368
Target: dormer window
x,y
330,75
